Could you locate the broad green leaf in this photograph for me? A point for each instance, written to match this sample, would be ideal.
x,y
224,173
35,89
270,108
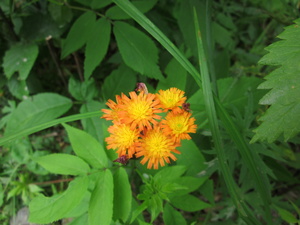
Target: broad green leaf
x,y
96,46
191,157
122,195
169,174
115,13
20,58
36,110
122,80
286,215
79,33
96,4
48,209
83,219
137,49
83,206
172,216
101,204
18,88
82,91
87,147
63,164
189,203
176,76
190,184
282,117
94,125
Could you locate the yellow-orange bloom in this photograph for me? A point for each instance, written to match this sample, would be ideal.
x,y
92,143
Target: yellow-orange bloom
x,y
123,139
112,113
139,111
157,148
171,99
178,125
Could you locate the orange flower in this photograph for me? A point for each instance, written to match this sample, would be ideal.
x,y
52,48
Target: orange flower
x,y
123,139
171,99
156,148
139,111
178,125
115,107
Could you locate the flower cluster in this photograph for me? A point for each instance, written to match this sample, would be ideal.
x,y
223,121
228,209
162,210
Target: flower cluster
x,y
138,127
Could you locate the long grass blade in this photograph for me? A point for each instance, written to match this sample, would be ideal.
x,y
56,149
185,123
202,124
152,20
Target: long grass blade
x,y
46,125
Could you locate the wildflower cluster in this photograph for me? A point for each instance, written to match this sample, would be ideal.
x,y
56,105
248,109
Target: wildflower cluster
x,y
138,127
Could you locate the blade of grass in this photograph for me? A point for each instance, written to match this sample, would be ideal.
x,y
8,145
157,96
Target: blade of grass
x,y
226,119
43,126
213,121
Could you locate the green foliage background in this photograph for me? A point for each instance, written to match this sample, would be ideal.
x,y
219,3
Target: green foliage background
x,y
238,63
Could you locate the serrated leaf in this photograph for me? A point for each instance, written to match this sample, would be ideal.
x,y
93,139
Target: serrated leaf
x,y
284,96
116,13
137,50
20,58
101,204
172,216
63,164
122,195
79,33
45,210
122,80
189,203
87,147
36,110
96,46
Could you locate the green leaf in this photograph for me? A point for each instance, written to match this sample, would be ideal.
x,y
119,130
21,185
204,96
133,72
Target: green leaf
x,y
122,195
122,80
63,164
189,203
82,91
87,147
94,125
96,4
48,209
101,204
172,216
137,50
284,97
18,88
286,215
96,46
36,110
191,157
79,33
116,13
176,76
20,58
169,174
189,184
83,219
